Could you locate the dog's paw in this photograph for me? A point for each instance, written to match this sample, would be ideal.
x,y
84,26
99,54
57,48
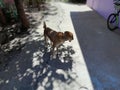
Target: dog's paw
x,y
52,57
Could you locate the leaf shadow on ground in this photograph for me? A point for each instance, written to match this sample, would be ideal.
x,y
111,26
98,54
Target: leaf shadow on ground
x,y
31,67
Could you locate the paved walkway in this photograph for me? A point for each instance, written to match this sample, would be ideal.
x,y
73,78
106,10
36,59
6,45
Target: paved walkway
x,y
100,48
32,69
90,62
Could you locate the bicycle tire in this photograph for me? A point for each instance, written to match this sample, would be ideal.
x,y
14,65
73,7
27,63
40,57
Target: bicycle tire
x,y
111,22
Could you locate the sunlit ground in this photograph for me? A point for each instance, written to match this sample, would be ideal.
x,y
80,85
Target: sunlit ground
x,y
32,69
64,22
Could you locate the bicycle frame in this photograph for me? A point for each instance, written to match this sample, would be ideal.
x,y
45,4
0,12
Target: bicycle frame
x,y
117,18
113,18
117,11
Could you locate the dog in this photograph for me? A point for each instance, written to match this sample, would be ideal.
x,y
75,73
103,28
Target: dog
x,y
56,38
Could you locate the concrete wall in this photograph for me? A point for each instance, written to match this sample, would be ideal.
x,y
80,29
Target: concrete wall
x,y
104,7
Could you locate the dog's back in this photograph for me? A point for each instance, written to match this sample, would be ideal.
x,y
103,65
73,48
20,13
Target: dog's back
x,y
48,32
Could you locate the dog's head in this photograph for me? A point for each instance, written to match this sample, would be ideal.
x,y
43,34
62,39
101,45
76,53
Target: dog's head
x,y
68,36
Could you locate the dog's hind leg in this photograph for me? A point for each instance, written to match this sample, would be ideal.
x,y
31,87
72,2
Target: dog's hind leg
x,y
45,40
45,43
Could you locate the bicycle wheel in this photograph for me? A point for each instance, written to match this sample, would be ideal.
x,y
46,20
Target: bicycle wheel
x,y
112,22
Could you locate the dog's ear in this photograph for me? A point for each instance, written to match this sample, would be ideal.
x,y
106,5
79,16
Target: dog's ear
x,y
44,25
68,34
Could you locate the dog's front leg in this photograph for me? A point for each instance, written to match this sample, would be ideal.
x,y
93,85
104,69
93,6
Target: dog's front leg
x,y
53,51
57,49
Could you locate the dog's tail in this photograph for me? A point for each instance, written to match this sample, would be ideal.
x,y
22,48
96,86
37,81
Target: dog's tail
x,y
44,25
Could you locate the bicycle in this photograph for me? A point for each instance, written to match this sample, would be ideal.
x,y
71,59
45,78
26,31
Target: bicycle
x,y
113,18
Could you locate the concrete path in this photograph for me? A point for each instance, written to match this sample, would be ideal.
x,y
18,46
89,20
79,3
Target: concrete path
x,y
30,68
100,48
90,62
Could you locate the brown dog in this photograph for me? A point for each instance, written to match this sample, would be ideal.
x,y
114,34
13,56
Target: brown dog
x,y
56,38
